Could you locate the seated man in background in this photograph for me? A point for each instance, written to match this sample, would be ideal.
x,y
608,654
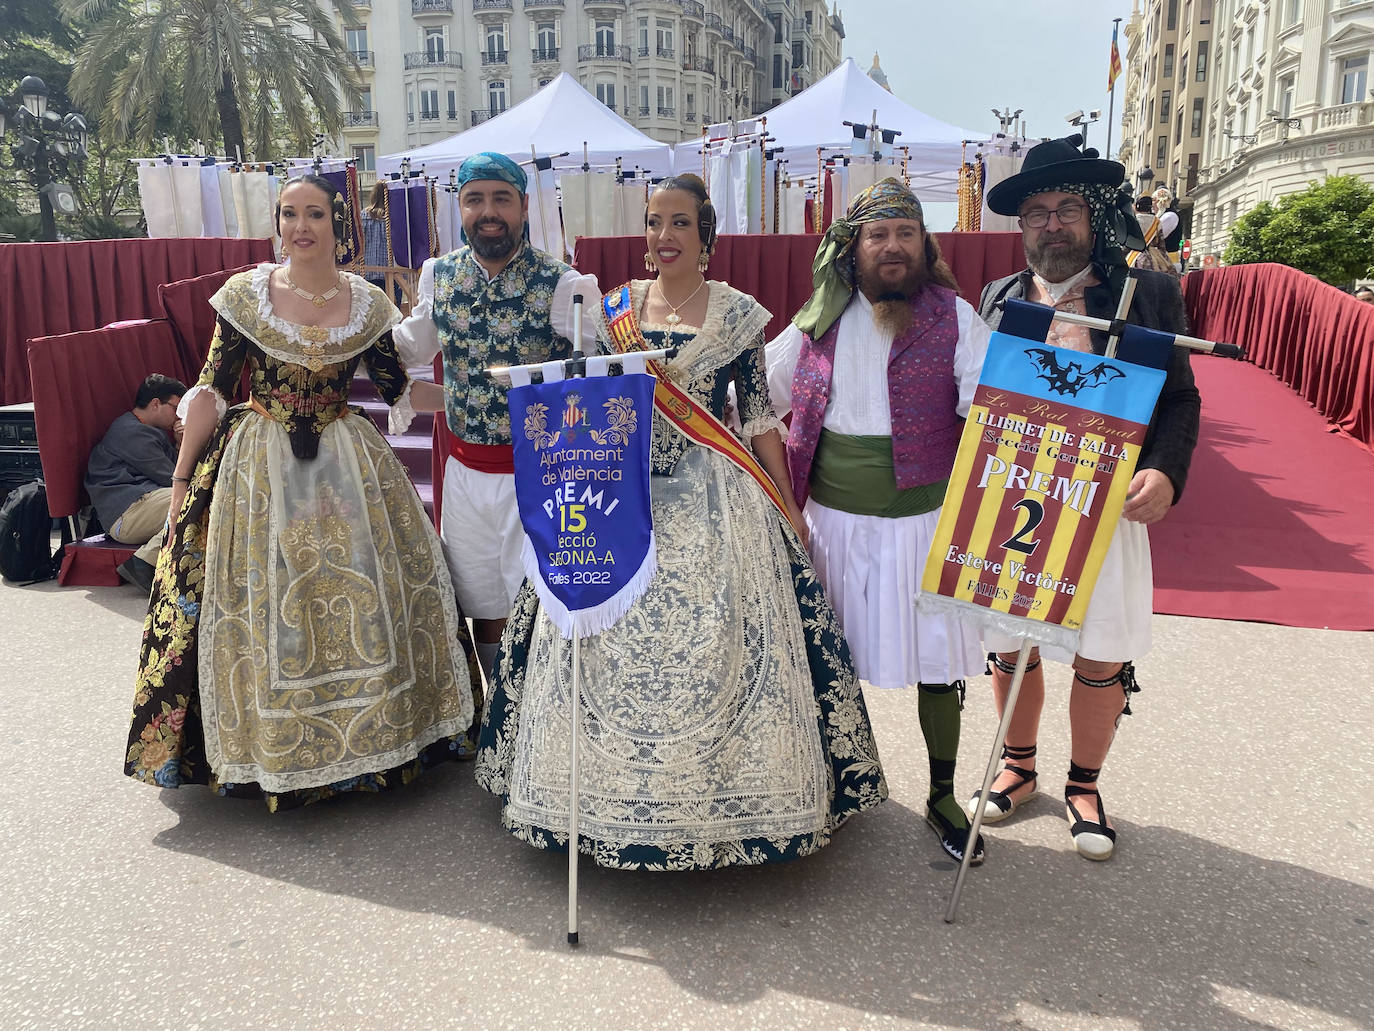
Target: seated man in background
x,y
129,474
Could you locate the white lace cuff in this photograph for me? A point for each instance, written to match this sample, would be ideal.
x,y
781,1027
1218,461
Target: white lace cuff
x,y
186,398
401,415
758,427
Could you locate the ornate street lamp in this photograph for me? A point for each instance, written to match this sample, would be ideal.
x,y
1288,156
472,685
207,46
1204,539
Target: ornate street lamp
x,y
45,141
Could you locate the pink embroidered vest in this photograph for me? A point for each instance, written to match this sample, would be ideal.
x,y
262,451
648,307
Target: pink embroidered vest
x,y
921,391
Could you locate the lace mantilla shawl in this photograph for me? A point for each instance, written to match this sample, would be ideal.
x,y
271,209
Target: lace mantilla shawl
x,y
734,322
244,302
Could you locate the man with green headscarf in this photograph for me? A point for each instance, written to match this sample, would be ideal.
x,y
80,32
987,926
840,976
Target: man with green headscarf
x,y
878,369
494,301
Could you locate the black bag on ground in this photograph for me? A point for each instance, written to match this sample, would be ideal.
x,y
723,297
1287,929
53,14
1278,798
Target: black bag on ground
x,y
26,554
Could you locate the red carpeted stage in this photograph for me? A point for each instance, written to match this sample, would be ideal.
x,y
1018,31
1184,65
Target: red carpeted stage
x,y
1274,525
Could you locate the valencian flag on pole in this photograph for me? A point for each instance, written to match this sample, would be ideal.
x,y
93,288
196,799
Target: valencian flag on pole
x,y
1114,67
581,452
1039,481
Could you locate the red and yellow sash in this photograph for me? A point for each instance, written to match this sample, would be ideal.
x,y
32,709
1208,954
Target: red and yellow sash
x,y
678,406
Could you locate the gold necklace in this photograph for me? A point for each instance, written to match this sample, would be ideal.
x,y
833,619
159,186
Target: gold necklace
x,y
673,318
318,300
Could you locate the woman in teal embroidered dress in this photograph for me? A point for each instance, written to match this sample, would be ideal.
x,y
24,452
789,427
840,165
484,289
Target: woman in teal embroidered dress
x,y
723,724
302,638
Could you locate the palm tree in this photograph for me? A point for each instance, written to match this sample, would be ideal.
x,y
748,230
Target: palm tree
x,y
212,60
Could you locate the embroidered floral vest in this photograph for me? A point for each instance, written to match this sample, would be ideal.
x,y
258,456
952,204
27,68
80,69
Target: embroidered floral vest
x,y
481,324
921,391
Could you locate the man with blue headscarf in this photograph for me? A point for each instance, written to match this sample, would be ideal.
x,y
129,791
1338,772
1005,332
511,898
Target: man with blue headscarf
x,y
494,301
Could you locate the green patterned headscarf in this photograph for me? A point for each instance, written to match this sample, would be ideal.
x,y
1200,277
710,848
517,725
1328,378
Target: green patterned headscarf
x,y
831,274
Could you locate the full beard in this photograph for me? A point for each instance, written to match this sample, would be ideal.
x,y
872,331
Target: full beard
x,y
1058,264
492,248
892,304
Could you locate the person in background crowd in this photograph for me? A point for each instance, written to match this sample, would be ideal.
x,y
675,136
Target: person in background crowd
x,y
129,475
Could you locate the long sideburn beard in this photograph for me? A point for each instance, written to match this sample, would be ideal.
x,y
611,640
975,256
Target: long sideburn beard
x,y
892,308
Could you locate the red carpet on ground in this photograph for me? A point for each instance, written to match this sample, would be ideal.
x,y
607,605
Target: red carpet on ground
x,y
1276,524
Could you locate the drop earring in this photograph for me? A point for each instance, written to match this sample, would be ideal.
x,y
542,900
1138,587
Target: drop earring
x,y
649,265
703,260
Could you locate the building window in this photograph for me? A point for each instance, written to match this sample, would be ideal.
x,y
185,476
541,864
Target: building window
x,y
778,79
1183,67
1152,110
605,92
643,37
1165,100
1168,61
434,45
664,37
496,96
356,40
546,38
429,104
365,99
1160,150
605,39
366,157
1354,76
496,42
1178,123
410,106
452,105
1173,16
665,102
1200,72
1196,130
1291,10
644,99
1285,98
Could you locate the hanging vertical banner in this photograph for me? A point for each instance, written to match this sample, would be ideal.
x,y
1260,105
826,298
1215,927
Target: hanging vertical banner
x,y
581,453
1039,481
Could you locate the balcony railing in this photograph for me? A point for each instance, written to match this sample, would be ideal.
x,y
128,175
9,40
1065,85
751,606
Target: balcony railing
x,y
666,52
436,59
365,58
689,117
481,114
601,52
495,57
491,5
643,112
431,6
359,119
699,64
429,116
728,33
750,54
544,54
713,23
693,9
542,3
666,112
617,4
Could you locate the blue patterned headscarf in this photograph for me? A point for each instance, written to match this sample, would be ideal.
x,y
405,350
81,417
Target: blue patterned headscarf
x,y
490,165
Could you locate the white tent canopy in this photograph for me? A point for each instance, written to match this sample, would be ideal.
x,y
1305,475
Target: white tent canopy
x,y
816,116
560,117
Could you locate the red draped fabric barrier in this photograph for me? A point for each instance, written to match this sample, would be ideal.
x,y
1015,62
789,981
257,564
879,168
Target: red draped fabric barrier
x,y
777,269
1312,336
186,306
82,382
52,288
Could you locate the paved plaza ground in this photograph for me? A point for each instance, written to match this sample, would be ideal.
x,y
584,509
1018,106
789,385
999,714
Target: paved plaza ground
x,y
1241,895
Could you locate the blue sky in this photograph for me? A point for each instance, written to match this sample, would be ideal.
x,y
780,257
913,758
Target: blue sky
x,y
958,59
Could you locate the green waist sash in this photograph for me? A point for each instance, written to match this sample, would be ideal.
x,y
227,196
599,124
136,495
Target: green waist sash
x,y
856,475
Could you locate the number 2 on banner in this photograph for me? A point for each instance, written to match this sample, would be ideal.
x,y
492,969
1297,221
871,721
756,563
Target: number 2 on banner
x,y
1035,512
571,519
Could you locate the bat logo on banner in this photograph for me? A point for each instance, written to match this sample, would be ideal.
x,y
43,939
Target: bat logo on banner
x,y
1070,379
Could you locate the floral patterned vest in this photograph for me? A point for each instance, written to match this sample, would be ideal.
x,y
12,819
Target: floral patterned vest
x,y
921,391
501,322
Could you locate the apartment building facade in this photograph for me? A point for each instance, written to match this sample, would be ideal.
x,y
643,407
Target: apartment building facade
x,y
434,68
1277,95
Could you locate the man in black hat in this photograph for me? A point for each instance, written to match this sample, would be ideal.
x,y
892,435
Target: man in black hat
x,y
1074,217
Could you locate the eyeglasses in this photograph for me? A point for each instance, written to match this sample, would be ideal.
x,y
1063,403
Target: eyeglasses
x,y
1039,218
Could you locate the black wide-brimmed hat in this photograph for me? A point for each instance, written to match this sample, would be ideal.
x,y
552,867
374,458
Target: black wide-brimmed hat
x,y
1049,164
